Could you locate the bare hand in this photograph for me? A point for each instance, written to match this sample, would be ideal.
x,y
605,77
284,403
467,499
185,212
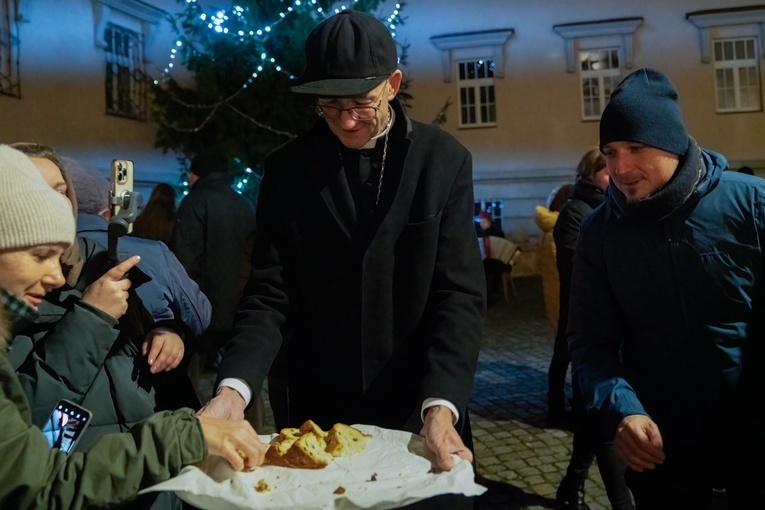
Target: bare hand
x,y
228,404
164,349
639,443
110,292
442,438
235,441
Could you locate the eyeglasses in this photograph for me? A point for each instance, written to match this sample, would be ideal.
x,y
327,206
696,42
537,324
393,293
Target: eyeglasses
x,y
356,112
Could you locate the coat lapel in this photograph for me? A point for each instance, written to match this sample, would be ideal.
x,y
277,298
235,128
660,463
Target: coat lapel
x,y
326,170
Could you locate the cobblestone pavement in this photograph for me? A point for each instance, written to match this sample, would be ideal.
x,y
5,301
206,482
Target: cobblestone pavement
x,y
517,457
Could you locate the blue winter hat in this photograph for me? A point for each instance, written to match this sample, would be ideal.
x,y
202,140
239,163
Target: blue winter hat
x,y
644,108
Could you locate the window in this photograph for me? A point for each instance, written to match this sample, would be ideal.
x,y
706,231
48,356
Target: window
x,y
600,74
604,48
476,59
732,40
737,75
9,49
125,77
476,93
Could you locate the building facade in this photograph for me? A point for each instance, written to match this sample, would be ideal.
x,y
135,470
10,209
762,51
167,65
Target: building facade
x,y
520,83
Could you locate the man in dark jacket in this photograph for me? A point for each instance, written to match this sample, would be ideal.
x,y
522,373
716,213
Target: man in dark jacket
x,y
666,317
367,278
213,241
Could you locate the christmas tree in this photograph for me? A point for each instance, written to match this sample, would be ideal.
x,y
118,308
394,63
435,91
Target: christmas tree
x,y
241,62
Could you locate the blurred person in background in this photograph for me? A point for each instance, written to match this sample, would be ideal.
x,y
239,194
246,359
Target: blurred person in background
x,y
586,194
159,215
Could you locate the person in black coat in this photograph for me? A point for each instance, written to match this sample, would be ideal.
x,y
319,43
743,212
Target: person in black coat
x,y
213,240
367,285
586,194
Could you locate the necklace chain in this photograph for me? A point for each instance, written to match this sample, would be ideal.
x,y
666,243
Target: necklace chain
x,y
382,164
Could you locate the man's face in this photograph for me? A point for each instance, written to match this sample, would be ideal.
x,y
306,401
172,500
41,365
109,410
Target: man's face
x,y
638,170
353,133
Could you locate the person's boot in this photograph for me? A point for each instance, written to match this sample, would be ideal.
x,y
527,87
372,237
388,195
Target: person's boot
x,y
571,494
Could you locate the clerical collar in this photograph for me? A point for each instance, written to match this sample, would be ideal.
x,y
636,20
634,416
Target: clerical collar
x,y
371,143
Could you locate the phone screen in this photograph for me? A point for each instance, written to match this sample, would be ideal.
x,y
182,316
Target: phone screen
x,y
65,426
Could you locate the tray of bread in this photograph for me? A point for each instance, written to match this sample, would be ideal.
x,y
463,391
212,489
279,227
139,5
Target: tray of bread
x,y
347,466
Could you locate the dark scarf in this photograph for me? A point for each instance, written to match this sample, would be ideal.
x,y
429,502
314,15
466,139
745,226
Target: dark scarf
x,y
17,313
672,195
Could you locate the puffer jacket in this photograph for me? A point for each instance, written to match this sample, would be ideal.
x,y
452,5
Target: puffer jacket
x,y
546,256
77,352
667,307
32,475
585,196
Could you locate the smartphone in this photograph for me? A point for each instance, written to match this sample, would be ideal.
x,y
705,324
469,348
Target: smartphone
x,y
121,181
66,424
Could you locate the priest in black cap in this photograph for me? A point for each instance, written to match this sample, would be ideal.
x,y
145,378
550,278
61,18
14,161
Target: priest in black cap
x,y
367,292
667,315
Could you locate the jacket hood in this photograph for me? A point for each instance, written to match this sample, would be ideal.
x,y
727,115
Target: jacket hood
x,y
545,218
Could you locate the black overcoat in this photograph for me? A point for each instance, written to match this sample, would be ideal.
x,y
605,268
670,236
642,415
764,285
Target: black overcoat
x,y
367,323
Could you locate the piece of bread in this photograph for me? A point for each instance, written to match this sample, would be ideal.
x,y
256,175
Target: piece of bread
x,y
277,450
309,447
310,426
288,433
344,440
308,452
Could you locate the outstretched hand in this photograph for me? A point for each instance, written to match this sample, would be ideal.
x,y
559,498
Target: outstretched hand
x,y
228,404
163,348
235,441
110,292
442,438
639,443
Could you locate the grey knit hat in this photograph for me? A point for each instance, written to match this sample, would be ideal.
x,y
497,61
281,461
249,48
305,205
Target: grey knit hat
x,y
31,212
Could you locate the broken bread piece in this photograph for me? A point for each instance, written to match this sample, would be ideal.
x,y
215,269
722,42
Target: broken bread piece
x,y
308,452
310,426
276,451
310,447
344,440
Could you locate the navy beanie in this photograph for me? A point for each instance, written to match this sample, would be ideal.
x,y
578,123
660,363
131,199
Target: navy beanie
x,y
644,109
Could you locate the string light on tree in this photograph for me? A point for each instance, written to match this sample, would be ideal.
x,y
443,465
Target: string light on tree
x,y
255,41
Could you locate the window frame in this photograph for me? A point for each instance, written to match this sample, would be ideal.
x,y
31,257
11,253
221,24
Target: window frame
x,y
729,24
482,106
10,80
125,71
737,65
604,93
588,36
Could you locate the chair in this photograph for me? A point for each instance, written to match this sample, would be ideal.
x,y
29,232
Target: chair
x,y
506,252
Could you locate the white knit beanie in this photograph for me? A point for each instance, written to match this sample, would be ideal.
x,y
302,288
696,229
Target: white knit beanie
x,y
31,212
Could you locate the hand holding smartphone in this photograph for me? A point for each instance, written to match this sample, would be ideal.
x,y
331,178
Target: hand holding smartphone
x,y
121,181
66,425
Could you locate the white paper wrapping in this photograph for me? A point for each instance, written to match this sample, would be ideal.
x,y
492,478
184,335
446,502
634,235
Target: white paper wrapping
x,y
403,469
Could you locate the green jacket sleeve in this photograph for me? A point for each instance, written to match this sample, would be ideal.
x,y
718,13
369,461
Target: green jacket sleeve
x,y
63,361
113,471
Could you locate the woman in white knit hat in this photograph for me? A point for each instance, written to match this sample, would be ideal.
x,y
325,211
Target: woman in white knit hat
x,y
33,235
